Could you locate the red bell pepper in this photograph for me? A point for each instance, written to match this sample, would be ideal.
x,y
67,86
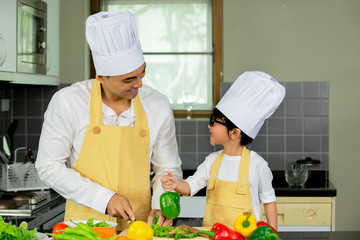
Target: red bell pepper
x,y
221,232
262,223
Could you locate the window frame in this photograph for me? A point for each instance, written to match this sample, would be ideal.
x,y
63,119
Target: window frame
x,y
217,58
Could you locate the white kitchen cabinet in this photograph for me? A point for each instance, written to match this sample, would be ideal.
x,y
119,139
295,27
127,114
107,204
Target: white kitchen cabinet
x,y
53,37
8,23
52,52
8,36
304,213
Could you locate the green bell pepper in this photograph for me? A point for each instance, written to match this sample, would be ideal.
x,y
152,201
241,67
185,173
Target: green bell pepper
x,y
170,204
263,233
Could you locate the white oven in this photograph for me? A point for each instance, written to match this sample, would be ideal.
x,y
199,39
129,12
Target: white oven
x,y
31,43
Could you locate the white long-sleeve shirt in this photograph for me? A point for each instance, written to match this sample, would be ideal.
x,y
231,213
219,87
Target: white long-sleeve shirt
x,y
63,132
260,177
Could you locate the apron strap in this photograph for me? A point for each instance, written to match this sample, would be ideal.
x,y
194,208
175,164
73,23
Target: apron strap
x,y
138,109
243,178
96,107
96,104
214,170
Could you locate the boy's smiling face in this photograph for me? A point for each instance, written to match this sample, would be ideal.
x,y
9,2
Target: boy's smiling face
x,y
218,133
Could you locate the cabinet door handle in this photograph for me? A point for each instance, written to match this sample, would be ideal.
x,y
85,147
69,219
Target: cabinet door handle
x,y
2,50
310,213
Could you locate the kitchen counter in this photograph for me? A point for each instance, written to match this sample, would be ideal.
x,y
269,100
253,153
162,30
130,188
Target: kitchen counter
x,y
343,235
317,185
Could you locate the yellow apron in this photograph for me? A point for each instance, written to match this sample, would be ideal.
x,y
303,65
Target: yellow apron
x,y
117,158
227,200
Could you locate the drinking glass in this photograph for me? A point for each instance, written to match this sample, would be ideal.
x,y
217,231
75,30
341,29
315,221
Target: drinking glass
x,y
188,99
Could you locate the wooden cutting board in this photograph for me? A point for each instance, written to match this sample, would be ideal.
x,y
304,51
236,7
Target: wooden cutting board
x,y
124,233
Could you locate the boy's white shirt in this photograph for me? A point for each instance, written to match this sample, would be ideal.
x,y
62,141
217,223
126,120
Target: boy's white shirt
x,y
260,177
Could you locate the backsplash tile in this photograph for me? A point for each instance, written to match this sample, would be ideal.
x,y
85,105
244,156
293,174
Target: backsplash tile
x,y
311,89
27,104
312,107
276,144
299,128
188,128
261,144
294,107
312,125
324,87
188,144
276,125
294,126
293,89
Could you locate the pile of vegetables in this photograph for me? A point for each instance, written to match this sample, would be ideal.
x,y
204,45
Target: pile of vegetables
x,y
245,227
9,231
83,231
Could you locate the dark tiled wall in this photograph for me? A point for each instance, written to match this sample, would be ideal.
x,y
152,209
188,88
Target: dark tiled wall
x,y
5,116
27,104
299,128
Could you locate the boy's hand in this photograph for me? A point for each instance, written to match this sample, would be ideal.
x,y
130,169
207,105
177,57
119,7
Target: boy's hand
x,y
169,181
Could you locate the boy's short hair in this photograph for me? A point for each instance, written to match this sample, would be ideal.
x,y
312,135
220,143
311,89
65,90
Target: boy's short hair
x,y
245,139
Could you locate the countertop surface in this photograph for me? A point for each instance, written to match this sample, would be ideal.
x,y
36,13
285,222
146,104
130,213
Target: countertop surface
x,y
337,235
317,185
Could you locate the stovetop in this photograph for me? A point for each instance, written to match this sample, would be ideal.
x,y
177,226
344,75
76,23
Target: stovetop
x,y
25,203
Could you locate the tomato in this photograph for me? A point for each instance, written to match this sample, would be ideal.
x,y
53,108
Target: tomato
x,y
59,226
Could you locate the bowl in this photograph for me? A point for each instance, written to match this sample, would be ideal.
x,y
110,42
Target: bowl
x,y
70,224
296,177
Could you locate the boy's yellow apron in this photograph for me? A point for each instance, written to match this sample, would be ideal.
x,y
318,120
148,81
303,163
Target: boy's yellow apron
x,y
227,200
117,158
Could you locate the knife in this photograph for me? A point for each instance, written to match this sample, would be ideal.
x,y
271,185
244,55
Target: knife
x,y
11,132
6,147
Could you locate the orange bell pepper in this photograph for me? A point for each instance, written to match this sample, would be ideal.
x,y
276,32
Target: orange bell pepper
x,y
105,232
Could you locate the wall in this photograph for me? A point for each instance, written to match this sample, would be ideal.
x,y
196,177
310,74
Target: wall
x,y
74,57
307,41
27,105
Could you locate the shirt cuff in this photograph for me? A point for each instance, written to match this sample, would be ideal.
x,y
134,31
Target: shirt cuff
x,y
192,185
268,197
155,202
101,199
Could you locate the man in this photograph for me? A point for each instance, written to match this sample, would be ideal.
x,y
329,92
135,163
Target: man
x,y
100,136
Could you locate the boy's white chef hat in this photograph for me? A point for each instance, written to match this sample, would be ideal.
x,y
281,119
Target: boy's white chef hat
x,y
251,99
114,42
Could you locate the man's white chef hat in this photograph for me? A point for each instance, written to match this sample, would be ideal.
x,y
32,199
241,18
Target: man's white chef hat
x,y
251,99
114,42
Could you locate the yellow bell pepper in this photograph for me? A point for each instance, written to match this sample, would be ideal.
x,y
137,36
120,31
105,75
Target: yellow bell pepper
x,y
139,230
245,224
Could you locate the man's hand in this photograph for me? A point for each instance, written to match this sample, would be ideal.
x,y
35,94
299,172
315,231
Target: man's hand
x,y
163,221
168,182
119,206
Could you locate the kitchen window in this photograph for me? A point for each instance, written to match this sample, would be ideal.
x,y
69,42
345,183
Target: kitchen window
x,y
181,41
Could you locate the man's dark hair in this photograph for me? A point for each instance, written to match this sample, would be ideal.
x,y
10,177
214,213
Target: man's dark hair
x,y
245,139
